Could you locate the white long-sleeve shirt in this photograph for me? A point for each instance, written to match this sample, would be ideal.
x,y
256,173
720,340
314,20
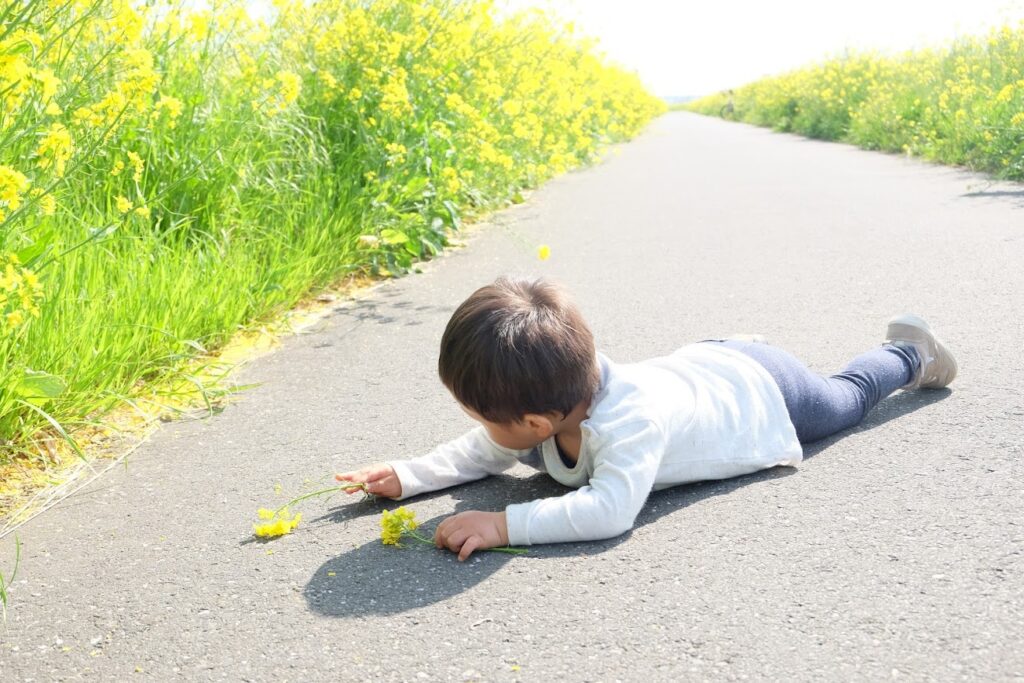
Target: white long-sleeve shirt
x,y
703,412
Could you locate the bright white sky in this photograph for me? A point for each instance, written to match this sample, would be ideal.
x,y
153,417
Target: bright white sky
x,y
696,47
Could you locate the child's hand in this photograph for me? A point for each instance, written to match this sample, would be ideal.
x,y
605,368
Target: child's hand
x,y
472,530
380,480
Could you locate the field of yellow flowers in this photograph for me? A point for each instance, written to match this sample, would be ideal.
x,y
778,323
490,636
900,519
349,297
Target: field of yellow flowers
x,y
960,104
167,175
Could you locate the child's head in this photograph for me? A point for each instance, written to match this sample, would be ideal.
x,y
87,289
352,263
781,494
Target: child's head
x,y
518,347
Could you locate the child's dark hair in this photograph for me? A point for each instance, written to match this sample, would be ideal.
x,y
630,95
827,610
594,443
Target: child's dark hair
x,y
518,346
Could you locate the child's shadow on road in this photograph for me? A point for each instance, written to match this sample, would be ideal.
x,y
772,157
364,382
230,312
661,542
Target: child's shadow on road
x,y
375,579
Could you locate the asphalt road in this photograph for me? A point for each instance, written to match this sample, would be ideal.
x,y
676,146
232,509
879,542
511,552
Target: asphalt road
x,y
894,551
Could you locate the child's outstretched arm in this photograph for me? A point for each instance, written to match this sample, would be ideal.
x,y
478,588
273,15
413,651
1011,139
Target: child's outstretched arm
x,y
472,456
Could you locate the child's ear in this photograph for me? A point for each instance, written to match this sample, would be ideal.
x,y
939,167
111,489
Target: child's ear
x,y
540,425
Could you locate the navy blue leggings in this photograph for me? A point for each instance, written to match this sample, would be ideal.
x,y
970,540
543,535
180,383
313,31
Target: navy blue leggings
x,y
820,406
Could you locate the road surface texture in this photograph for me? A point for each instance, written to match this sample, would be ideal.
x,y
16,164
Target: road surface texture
x,y
892,552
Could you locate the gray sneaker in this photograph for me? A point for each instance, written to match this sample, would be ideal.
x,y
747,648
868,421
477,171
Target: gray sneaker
x,y
938,367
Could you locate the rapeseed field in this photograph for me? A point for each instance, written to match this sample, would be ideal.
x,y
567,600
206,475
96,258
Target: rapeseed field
x,y
169,175
961,104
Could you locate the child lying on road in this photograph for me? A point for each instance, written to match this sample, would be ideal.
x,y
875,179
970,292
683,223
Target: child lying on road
x,y
520,360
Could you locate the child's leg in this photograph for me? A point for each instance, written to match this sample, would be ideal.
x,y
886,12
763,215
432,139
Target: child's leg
x,y
820,406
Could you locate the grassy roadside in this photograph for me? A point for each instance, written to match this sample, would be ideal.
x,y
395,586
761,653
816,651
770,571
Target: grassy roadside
x,y
203,386
168,177
960,104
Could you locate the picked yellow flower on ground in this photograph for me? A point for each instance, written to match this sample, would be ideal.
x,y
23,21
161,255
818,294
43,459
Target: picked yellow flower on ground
x,y
394,524
281,524
543,252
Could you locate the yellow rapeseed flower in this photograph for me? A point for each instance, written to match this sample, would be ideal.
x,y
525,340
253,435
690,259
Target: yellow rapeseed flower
x,y
396,153
124,205
19,293
138,165
511,107
126,23
291,85
198,26
48,84
140,79
330,82
171,106
14,77
31,281
55,149
451,179
439,129
394,96
12,186
394,524
46,202
11,277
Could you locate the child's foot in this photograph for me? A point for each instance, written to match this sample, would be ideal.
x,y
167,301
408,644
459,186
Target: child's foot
x,y
938,367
